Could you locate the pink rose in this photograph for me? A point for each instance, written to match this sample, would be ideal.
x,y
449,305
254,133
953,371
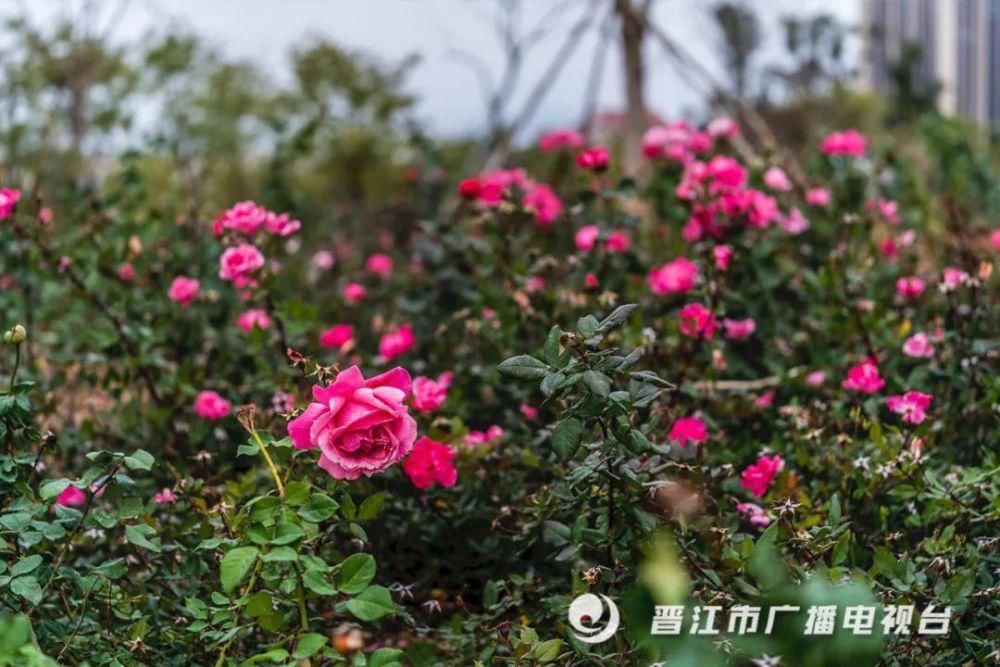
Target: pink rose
x,y
431,462
586,237
818,196
323,260
71,496
723,255
380,265
338,336
239,262
396,343
995,239
183,290
165,497
776,179
739,329
529,412
593,159
281,225
757,478
794,223
255,317
126,272
354,292
816,378
688,429
847,142
590,281
553,141
912,405
429,394
910,288
360,426
864,377
723,127
618,241
8,202
697,320
476,438
918,345
676,276
210,405
542,200
246,217
754,513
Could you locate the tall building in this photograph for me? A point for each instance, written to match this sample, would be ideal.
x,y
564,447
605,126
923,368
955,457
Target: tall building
x,y
960,48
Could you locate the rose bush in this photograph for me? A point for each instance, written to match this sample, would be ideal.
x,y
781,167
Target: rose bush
x,y
743,377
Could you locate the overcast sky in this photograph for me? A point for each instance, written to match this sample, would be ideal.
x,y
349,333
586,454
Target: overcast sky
x,y
450,101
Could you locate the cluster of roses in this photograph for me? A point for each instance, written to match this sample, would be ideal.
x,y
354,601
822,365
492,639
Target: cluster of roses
x,y
240,262
493,188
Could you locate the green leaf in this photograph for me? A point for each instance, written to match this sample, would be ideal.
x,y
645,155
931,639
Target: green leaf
x,y
587,326
617,318
140,459
51,488
372,604
523,367
355,573
259,604
25,565
551,350
296,493
371,506
597,383
249,449
491,594
280,555
15,521
196,607
547,651
834,511
386,657
286,533
566,438
27,587
138,534
315,581
309,644
235,566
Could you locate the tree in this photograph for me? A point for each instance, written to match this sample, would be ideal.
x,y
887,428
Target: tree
x,y
741,37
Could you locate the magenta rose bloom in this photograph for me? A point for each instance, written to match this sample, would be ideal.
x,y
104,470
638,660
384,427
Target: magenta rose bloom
x,y
360,426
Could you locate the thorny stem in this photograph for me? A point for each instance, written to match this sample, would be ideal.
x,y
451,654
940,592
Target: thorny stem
x,y
300,595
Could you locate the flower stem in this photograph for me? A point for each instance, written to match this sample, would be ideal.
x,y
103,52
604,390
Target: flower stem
x,y
270,463
17,364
